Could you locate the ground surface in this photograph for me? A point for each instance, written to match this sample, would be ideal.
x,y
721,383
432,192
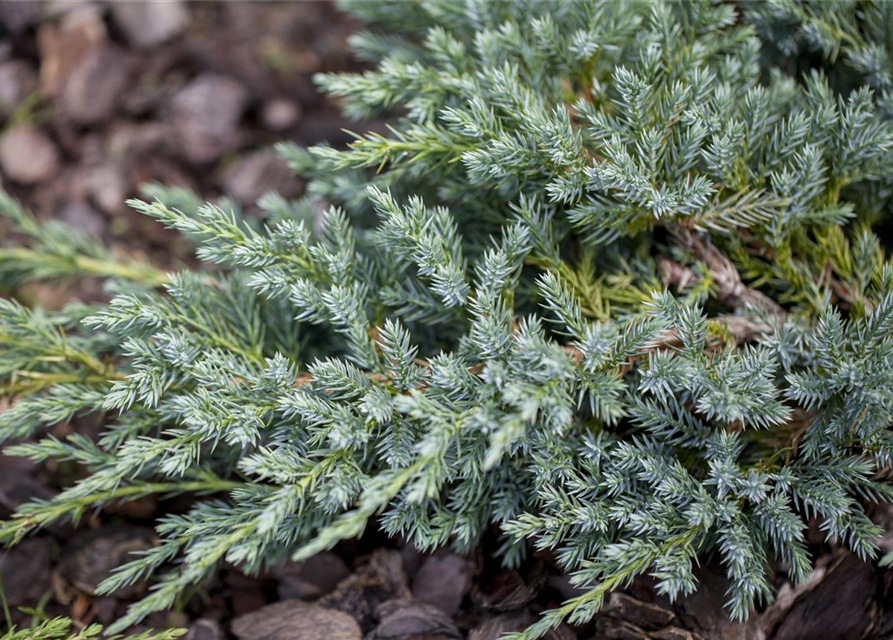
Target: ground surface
x,y
96,99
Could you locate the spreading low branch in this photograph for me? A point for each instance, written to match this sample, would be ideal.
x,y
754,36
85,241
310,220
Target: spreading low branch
x,y
730,289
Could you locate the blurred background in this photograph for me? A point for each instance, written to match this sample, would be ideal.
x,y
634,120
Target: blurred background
x,y
97,98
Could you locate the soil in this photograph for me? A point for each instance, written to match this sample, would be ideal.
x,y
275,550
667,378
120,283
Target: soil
x,y
99,98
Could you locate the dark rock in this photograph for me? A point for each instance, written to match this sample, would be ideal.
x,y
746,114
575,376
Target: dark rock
x,y
256,175
94,86
882,515
642,614
204,629
788,594
607,628
562,584
296,620
90,148
91,556
18,488
884,627
147,24
13,465
27,155
561,632
108,187
408,620
319,127
245,601
314,578
280,114
379,580
106,609
673,633
240,581
841,607
497,626
26,571
704,612
17,82
291,586
205,114
412,557
128,140
325,570
443,581
508,590
294,588
146,507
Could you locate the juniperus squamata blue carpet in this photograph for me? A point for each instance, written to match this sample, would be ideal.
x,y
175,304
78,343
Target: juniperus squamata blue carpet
x,y
616,284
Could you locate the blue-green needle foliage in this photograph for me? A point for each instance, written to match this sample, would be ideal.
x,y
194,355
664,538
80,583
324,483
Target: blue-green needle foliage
x,y
612,286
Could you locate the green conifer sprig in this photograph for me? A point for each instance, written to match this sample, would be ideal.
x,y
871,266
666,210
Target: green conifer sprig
x,y
60,629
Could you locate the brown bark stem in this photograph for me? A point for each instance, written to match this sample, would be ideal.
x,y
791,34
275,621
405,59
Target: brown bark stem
x,y
731,290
